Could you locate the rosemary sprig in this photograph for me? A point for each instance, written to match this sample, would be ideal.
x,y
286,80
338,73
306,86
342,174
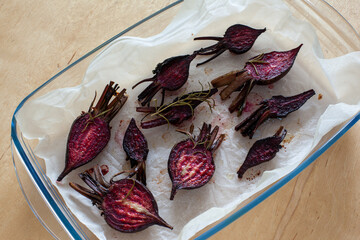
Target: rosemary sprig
x,y
257,59
128,194
186,100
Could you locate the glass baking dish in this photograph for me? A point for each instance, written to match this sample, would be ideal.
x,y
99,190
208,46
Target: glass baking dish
x,y
336,35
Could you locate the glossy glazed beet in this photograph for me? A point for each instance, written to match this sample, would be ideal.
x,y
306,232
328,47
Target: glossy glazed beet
x,y
275,107
169,75
237,39
90,132
126,204
136,148
260,70
262,151
191,164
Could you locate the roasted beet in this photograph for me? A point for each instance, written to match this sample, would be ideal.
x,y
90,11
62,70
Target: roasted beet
x,y
191,164
126,204
181,109
262,151
237,39
261,70
275,107
90,132
169,75
136,148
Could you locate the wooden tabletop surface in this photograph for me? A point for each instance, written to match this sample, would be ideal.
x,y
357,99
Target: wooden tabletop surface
x,y
37,39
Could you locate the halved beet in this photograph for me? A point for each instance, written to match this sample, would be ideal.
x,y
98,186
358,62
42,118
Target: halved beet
x,y
136,148
262,151
191,164
169,75
181,109
237,39
126,204
275,107
90,132
261,70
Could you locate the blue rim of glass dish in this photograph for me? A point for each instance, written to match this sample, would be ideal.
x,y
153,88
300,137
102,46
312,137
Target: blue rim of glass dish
x,y
70,228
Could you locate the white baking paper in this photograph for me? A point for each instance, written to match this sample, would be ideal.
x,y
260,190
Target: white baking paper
x,y
128,60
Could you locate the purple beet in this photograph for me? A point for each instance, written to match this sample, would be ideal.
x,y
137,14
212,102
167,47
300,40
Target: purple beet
x,y
169,75
136,148
90,132
261,70
262,151
237,39
275,107
126,204
191,164
181,109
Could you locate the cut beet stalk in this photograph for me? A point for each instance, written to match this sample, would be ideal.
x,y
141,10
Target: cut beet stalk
x,y
261,70
275,107
169,75
136,148
126,204
191,164
181,109
262,151
90,132
237,39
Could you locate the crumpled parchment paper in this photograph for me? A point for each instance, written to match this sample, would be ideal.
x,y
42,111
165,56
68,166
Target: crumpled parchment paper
x,y
128,60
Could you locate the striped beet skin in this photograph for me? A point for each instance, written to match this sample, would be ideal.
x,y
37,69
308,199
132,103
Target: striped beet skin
x,y
191,164
127,205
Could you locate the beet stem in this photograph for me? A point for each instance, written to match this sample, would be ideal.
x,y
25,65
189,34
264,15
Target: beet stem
x,y
213,57
240,79
145,80
225,79
217,143
239,102
99,177
209,38
86,193
213,136
146,109
154,123
150,95
95,186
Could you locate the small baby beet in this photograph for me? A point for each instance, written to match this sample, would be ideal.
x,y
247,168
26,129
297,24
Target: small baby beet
x,y
181,109
275,107
262,151
126,204
90,132
237,39
136,148
261,70
191,164
170,75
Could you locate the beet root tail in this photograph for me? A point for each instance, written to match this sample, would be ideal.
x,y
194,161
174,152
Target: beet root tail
x,y
65,172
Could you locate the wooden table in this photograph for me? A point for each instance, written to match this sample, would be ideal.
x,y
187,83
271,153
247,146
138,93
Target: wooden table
x,y
37,40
